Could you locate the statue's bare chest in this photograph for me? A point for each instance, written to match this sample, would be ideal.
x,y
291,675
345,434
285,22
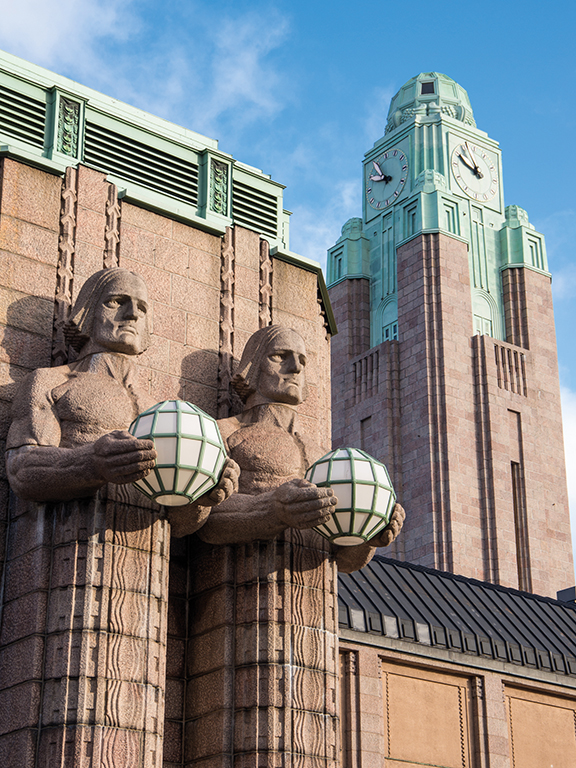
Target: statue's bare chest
x,y
88,405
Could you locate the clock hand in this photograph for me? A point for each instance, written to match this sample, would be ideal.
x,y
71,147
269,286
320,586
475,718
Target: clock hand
x,y
377,168
466,163
476,169
385,179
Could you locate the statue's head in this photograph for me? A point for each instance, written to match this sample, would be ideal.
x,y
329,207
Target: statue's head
x,y
273,366
111,312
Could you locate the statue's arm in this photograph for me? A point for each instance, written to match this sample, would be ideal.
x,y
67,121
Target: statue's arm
x,y
388,534
244,518
189,518
40,470
51,473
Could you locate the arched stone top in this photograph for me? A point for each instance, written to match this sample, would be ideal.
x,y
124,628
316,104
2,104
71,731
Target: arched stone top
x,y
429,93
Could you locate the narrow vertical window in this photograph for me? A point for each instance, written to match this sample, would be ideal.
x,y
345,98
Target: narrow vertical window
x,y
521,528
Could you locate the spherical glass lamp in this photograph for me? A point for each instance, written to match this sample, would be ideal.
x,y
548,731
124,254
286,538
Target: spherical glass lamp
x,y
191,453
366,498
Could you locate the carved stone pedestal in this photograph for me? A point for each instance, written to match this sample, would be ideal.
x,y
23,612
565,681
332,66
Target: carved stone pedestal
x,y
261,685
83,634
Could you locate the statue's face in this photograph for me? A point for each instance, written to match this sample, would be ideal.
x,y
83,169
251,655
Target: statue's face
x,y
119,323
282,378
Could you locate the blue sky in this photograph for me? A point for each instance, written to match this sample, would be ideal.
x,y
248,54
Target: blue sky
x,y
302,89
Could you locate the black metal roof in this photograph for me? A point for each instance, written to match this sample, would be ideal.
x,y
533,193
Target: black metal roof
x,y
434,608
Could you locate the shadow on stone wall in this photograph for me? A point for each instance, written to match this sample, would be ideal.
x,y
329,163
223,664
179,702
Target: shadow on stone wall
x,y
26,344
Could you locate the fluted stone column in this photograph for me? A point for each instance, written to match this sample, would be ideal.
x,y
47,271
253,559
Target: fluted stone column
x,y
262,655
83,634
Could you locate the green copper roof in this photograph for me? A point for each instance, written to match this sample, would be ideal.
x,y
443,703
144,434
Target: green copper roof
x,y
426,94
52,122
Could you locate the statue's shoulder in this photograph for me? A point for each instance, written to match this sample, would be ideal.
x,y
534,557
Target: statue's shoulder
x,y
228,426
32,407
38,384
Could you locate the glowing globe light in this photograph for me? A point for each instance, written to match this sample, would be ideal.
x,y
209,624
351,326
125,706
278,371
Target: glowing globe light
x,y
191,453
366,498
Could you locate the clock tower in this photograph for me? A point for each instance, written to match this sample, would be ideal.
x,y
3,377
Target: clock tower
x,y
445,363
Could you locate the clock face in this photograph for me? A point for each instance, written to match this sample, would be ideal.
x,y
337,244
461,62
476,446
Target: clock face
x,y
474,172
385,178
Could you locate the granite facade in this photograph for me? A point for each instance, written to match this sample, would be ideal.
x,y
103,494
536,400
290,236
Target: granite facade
x,y
469,426
114,643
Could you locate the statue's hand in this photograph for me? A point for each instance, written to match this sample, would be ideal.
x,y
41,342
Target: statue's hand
x,y
388,534
121,458
227,485
300,504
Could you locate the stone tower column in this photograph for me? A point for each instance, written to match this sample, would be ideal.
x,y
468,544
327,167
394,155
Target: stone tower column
x,y
262,655
84,633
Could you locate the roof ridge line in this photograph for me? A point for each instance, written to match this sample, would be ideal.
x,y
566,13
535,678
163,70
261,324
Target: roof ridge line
x,y
469,580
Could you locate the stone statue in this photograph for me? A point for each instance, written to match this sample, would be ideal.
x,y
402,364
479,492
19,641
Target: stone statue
x,y
267,596
273,454
68,437
94,539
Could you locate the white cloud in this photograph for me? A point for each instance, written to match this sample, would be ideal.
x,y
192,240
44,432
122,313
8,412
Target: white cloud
x,y
564,282
569,428
194,65
241,75
56,33
560,232
320,226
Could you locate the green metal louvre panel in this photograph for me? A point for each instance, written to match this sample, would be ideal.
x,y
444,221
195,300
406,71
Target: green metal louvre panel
x,y
130,159
22,116
254,209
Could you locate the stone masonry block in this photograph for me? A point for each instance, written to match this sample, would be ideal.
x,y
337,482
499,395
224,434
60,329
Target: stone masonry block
x,y
202,332
19,706
208,735
196,238
246,248
171,256
27,275
169,322
23,617
147,220
29,313
195,297
90,227
29,240
204,267
136,244
207,693
30,194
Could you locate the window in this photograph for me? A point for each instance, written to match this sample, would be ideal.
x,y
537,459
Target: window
x,y
427,87
390,332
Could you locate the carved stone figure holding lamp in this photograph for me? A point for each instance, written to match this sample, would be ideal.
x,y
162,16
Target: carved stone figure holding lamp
x,y
274,454
277,577
68,437
93,538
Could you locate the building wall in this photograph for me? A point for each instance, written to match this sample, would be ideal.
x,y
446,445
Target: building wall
x,y
418,711
469,426
208,294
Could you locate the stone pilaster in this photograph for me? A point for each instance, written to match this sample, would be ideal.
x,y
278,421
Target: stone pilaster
x,y
262,658
83,634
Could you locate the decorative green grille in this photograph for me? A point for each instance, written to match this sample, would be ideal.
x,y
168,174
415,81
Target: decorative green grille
x,y
150,167
22,116
254,209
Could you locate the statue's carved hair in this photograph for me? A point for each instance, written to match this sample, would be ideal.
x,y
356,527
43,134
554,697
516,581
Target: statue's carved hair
x,y
245,380
78,329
